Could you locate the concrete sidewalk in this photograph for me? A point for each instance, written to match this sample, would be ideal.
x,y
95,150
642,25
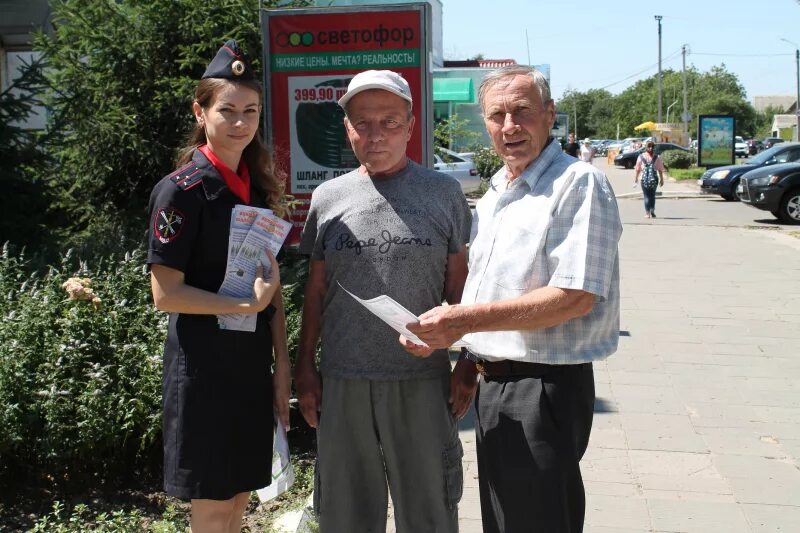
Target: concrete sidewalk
x,y
697,418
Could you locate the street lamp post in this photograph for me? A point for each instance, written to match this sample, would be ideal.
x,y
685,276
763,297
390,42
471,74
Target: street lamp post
x,y
797,86
658,19
670,107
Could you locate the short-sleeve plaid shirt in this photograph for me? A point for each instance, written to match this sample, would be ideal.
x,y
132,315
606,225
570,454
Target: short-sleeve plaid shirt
x,y
556,225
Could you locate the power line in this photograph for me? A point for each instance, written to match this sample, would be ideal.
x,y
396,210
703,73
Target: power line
x,y
739,55
666,59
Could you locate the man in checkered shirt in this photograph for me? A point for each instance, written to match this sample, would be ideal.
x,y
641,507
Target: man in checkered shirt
x,y
541,302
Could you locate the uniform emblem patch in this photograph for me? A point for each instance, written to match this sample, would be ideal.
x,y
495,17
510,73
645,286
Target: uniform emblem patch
x,y
168,224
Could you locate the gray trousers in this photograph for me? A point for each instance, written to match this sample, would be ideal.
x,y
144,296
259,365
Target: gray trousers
x,y
400,433
531,434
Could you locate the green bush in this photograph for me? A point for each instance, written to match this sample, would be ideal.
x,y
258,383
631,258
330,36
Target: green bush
x,y
82,519
487,162
80,377
679,159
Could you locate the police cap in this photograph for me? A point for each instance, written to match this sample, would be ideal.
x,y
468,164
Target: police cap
x,y
229,63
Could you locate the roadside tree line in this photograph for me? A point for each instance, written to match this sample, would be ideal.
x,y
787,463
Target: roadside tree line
x,y
717,91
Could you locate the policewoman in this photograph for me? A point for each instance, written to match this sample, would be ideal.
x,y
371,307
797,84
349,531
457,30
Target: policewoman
x,y
218,388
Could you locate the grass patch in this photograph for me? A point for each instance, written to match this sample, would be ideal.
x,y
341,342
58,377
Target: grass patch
x,y
686,174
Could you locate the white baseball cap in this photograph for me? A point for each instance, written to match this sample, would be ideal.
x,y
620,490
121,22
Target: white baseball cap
x,y
377,79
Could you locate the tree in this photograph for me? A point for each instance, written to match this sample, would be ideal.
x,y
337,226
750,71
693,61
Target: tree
x,y
714,92
583,103
121,74
22,159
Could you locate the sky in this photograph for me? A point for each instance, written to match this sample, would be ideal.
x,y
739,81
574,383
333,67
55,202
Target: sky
x,y
611,45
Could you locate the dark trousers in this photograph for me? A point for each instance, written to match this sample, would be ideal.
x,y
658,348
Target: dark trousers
x,y
531,434
649,200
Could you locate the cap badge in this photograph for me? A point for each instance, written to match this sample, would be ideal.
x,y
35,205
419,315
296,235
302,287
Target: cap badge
x,y
237,67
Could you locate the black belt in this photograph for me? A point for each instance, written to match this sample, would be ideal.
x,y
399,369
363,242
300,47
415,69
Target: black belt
x,y
508,367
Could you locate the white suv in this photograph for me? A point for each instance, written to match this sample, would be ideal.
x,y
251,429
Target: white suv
x,y
741,147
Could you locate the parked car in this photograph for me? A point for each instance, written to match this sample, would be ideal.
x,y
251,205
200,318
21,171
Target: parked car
x,y
628,160
460,168
754,146
724,180
769,142
775,188
740,147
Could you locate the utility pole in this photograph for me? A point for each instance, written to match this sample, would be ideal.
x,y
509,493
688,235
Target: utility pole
x,y
575,111
658,18
528,45
685,115
797,101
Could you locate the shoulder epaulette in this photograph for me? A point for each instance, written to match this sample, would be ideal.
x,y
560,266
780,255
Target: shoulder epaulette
x,y
187,176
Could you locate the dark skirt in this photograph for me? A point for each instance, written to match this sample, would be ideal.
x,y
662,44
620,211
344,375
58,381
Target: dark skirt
x,y
218,412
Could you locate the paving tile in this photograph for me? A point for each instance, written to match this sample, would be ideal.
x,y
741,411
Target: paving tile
x,y
608,438
628,377
763,468
773,518
715,414
739,441
676,441
675,464
686,495
467,525
603,529
617,512
778,415
470,506
772,492
703,489
606,488
697,516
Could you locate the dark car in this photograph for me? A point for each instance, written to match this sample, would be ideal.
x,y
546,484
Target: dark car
x,y
754,146
723,180
629,160
775,189
769,142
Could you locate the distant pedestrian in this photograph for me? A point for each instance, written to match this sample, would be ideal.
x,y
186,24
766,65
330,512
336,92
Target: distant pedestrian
x,y
651,168
571,148
587,152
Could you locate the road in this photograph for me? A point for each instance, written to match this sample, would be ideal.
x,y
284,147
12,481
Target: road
x,y
697,418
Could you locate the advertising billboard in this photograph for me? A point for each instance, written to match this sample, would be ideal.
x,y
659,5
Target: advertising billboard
x,y
310,56
715,141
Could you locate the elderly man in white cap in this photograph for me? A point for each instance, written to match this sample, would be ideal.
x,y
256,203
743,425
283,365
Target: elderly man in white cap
x,y
383,415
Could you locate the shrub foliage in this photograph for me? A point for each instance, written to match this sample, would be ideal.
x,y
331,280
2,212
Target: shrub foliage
x,y
80,366
487,162
679,159
80,379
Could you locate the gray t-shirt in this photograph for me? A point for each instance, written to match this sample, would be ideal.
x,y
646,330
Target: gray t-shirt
x,y
389,235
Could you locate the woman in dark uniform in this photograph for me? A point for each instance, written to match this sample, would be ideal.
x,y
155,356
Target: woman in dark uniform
x,y
218,389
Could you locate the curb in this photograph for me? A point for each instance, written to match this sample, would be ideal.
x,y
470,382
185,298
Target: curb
x,y
667,195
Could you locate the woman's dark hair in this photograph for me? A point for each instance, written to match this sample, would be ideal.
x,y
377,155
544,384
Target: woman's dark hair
x,y
650,144
259,161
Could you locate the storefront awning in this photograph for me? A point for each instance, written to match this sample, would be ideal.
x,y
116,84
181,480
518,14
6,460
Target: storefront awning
x,y
453,90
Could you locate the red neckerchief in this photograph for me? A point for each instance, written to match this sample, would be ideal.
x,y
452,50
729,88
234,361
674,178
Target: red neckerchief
x,y
238,182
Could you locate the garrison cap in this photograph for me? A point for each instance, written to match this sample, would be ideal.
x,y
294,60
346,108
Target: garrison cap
x,y
229,63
